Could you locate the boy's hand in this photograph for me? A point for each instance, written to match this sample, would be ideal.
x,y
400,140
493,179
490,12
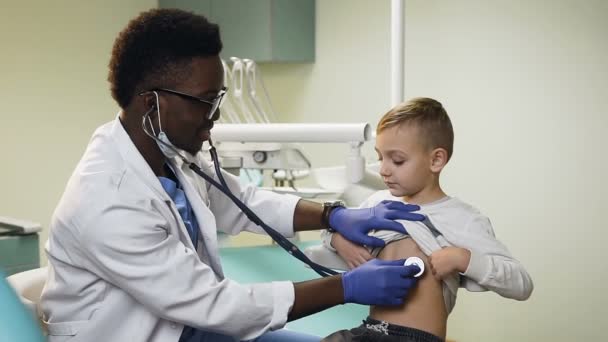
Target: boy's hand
x,y
449,260
353,254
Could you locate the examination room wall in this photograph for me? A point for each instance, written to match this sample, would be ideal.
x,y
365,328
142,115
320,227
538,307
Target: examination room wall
x,y
53,71
525,83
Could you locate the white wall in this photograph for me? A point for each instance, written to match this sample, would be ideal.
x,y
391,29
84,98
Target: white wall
x,y
525,83
54,93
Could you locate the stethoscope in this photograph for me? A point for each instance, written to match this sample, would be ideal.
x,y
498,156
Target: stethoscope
x,y
276,236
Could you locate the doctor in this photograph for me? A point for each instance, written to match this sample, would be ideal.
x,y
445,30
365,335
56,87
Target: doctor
x,y
132,250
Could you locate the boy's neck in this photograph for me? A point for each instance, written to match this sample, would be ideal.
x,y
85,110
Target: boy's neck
x,y
425,196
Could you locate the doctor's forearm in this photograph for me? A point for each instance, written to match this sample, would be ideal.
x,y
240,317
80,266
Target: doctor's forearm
x,y
316,295
307,216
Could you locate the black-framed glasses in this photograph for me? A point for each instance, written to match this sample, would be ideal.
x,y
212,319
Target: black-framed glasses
x,y
215,103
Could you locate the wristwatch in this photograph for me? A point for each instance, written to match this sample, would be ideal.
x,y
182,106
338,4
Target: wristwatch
x,y
327,209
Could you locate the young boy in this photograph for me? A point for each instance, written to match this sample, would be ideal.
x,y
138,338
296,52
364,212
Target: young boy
x,y
456,243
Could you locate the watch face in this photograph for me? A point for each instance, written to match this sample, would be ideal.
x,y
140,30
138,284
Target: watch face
x,y
334,204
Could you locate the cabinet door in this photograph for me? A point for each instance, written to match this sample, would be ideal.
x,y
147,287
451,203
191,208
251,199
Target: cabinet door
x,y
19,253
293,30
262,30
245,27
197,6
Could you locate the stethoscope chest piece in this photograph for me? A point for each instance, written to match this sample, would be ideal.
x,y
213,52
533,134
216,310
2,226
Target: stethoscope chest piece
x,y
415,261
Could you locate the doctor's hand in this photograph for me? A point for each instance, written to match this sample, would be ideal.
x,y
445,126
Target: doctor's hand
x,y
353,254
379,282
354,224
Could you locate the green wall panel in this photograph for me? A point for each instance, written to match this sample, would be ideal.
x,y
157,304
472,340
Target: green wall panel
x,y
262,30
245,28
197,6
293,30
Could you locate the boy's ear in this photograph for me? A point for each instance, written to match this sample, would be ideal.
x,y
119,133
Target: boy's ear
x,y
439,158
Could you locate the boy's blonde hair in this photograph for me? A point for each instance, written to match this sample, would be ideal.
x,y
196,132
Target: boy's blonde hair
x,y
429,116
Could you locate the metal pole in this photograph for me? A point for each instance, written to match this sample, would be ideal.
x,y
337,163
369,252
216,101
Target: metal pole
x,y
397,52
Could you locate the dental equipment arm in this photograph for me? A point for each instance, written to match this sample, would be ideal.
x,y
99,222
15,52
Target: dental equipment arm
x,y
249,139
294,133
237,86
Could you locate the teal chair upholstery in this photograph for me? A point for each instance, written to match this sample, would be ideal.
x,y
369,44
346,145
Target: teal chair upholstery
x,y
17,323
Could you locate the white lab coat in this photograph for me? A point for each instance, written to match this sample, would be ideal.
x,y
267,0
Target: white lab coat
x,y
123,268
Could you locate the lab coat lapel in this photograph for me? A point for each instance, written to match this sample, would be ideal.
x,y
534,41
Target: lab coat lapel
x,y
205,218
206,221
138,164
136,161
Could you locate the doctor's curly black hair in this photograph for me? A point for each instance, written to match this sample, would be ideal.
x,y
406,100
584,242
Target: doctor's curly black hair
x,y
155,49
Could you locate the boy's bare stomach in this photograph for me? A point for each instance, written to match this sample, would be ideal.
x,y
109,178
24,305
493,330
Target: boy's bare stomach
x,y
424,307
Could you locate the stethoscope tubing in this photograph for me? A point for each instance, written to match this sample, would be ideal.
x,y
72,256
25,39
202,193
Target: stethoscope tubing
x,y
282,241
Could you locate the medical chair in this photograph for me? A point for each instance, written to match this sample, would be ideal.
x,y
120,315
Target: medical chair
x,y
28,286
16,320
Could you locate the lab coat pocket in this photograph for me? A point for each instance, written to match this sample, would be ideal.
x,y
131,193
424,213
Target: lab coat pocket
x,y
65,328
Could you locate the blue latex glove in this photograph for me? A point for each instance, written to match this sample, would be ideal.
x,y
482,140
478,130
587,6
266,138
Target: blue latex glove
x,y
354,224
379,282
